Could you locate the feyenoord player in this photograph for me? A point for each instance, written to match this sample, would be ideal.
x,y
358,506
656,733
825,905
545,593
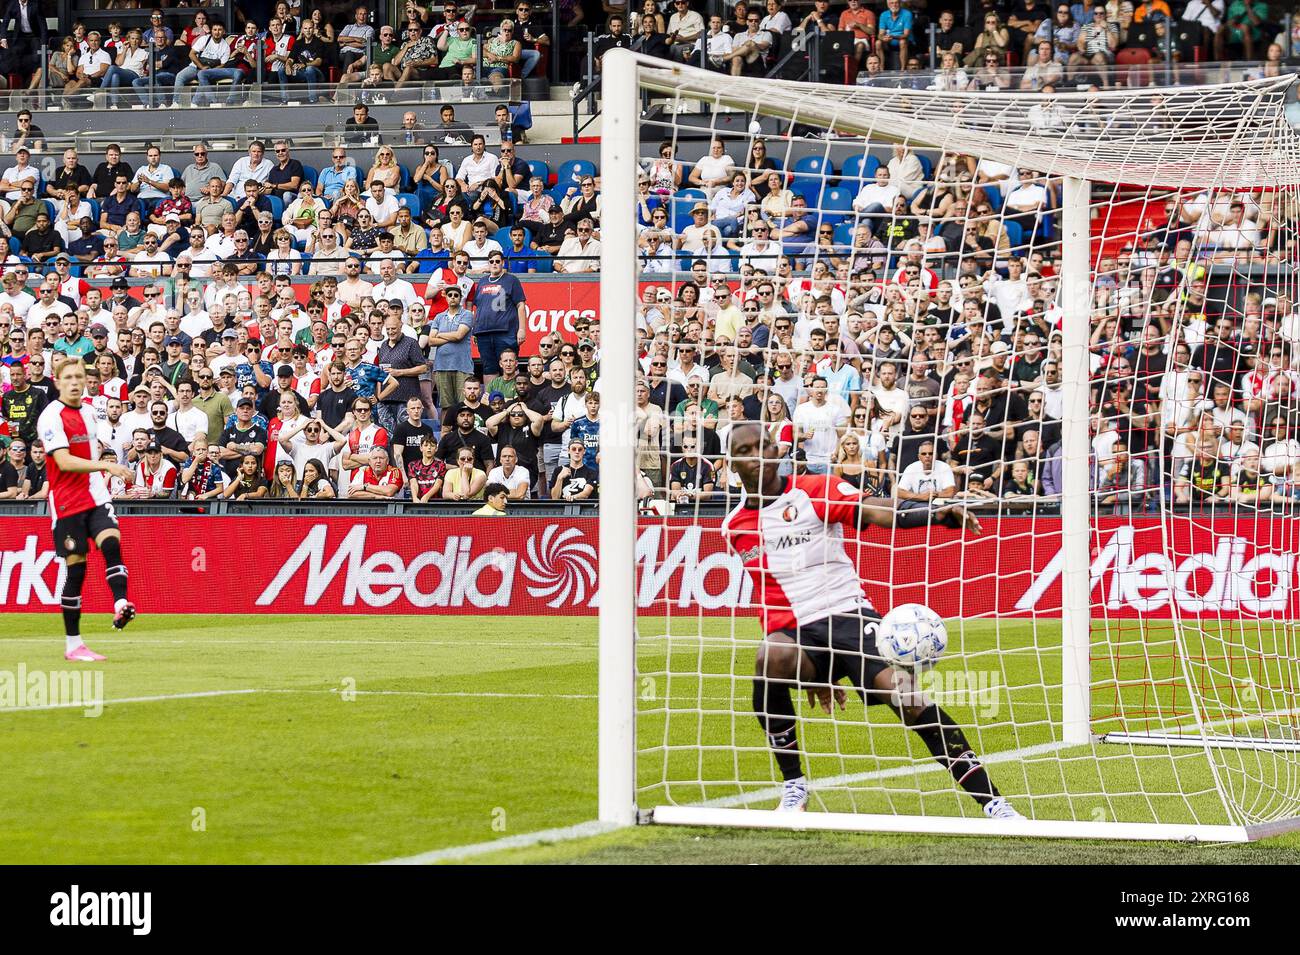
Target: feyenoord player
x,y
819,625
80,504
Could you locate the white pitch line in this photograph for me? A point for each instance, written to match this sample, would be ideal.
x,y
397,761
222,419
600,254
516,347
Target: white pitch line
x,y
126,699
582,830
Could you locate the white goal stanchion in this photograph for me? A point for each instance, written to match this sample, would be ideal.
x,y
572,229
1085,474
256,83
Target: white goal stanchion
x,y
1046,274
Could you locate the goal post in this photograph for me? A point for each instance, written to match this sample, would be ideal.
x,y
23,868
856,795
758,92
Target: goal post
x,y
1140,655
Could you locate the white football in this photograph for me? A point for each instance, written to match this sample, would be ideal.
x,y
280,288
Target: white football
x,y
912,637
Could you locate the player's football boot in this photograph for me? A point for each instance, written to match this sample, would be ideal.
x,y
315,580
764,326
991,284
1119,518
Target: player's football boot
x,y
1000,808
794,798
123,614
83,654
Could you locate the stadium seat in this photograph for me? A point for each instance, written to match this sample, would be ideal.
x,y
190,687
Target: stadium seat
x,y
538,167
813,166
411,201
837,203
994,196
544,264
306,263
927,166
406,182
15,245
51,208
679,211
94,209
312,174
1015,234
844,233
277,206
810,189
851,175
571,172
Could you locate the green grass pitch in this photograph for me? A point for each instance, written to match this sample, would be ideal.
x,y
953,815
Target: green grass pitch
x,y
321,739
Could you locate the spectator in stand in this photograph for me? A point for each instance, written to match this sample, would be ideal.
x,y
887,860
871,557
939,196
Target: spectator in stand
x,y
92,67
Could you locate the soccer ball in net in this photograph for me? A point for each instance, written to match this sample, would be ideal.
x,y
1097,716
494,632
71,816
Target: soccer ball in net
x,y
912,637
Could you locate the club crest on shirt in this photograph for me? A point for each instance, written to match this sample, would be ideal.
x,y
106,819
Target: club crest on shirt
x,y
789,513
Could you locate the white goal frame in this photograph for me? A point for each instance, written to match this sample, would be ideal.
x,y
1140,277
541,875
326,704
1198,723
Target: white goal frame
x,y
619,168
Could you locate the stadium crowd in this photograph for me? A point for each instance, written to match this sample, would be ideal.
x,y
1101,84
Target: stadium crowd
x,y
912,347
306,54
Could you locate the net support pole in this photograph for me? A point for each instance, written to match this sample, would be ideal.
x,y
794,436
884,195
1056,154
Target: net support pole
x,y
1075,582
618,273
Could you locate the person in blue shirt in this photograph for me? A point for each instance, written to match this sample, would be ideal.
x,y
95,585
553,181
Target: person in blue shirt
x,y
500,314
521,257
895,25
587,430
117,205
365,378
452,362
255,370
330,183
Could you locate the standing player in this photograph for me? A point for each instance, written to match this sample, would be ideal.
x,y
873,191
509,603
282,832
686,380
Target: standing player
x,y
80,504
819,625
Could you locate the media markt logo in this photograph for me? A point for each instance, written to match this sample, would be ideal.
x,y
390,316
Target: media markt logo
x,y
561,565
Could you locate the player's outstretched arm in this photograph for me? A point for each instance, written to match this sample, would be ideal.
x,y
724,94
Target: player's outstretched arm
x,y
69,462
881,512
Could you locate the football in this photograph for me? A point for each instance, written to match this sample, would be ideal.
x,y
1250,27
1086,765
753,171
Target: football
x,y
912,636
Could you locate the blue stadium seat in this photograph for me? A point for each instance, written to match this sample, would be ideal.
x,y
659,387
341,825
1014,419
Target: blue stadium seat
x,y
994,196
813,166
873,163
927,166
51,208
406,182
837,203
306,263
844,233
571,172
851,174
538,167
277,207
679,211
810,189
15,245
1046,226
312,174
1015,234
544,264
411,201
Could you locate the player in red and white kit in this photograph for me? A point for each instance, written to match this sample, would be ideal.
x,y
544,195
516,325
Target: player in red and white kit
x,y
80,505
820,627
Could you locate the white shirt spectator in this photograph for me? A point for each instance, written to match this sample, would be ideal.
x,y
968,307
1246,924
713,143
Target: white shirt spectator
x,y
573,247
14,175
200,262
163,173
383,211
893,399
822,423
91,62
916,479
518,478
478,254
189,423
778,22
398,288
762,254
244,169
873,194
711,168
907,173
474,171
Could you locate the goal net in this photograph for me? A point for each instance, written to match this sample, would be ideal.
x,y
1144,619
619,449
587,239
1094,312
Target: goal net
x,y
1072,311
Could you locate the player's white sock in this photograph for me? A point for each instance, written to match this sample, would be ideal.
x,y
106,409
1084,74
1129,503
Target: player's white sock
x,y
118,605
72,643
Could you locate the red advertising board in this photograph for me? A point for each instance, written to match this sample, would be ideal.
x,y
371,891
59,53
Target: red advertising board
x,y
239,565
552,306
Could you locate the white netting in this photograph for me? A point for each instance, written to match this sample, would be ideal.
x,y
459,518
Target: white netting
x,y
1192,210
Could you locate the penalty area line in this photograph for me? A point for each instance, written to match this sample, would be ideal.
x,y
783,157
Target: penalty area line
x,y
582,830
